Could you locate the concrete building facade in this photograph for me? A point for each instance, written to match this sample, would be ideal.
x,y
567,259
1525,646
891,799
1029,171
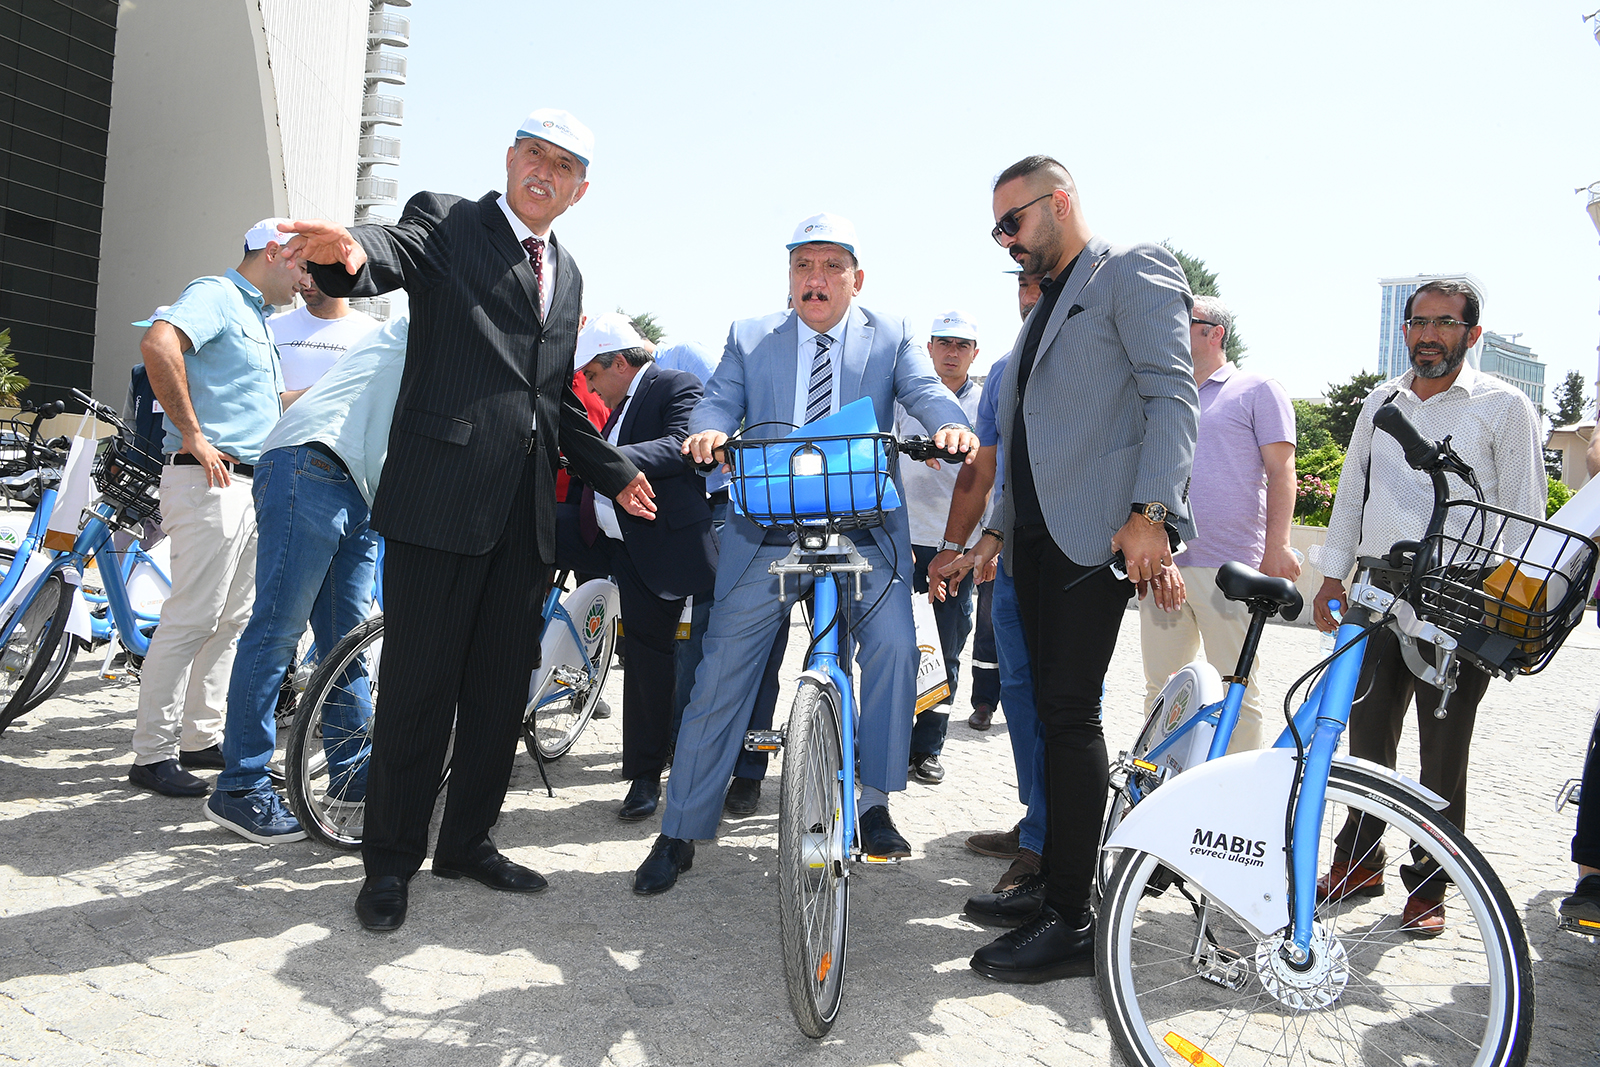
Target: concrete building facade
x,y
1514,363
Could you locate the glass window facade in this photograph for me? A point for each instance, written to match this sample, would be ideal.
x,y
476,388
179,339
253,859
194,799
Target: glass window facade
x,y
55,109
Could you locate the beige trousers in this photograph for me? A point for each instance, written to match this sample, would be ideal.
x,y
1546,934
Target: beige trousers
x,y
183,689
1171,639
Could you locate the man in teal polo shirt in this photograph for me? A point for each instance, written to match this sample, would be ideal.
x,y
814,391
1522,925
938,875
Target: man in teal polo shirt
x,y
215,373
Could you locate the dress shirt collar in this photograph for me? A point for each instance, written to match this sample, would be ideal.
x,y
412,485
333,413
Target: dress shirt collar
x,y
1467,380
518,227
806,333
251,292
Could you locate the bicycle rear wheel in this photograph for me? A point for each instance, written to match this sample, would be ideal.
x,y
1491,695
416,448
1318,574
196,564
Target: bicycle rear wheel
x,y
331,740
813,884
60,663
560,710
1184,983
29,650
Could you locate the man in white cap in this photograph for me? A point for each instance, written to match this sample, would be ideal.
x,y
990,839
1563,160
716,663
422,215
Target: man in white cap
x,y
467,504
794,368
213,368
953,344
655,564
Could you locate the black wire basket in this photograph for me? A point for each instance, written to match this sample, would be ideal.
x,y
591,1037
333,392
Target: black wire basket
x,y
130,480
1509,588
840,482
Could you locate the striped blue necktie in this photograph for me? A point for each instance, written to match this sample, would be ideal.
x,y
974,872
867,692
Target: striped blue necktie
x,y
819,394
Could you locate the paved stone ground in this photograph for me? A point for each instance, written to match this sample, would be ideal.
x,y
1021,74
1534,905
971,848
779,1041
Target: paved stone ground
x,y
133,931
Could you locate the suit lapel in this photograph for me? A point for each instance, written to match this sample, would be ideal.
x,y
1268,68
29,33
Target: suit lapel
x,y
778,354
857,352
630,415
505,242
1093,257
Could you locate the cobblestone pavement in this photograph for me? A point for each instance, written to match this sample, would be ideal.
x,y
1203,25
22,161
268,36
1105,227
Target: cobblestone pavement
x,y
133,931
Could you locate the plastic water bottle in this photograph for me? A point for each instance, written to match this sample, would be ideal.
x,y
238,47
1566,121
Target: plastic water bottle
x,y
1331,641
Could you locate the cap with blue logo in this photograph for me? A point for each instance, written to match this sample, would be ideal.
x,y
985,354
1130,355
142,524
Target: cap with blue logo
x,y
954,324
561,129
830,229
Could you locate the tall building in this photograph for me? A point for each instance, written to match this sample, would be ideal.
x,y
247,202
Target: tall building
x,y
1513,363
138,141
1393,358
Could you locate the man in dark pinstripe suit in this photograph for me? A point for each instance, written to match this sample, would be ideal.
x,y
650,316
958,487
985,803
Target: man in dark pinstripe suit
x,y
467,502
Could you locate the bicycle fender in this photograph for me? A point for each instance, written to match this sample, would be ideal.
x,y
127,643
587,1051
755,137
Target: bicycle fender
x,y
1221,826
590,607
822,681
1410,785
1192,687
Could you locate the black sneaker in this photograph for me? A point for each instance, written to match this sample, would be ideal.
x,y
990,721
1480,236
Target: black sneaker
x,y
1582,908
926,768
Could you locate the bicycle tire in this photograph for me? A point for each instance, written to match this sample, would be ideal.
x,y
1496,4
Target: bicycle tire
x,y
41,620
551,727
332,807
1465,996
813,880
60,663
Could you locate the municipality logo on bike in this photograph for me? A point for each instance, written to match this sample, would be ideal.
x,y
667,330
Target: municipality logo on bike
x,y
595,620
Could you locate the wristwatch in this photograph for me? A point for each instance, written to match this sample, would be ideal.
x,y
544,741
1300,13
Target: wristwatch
x,y
1155,513
951,546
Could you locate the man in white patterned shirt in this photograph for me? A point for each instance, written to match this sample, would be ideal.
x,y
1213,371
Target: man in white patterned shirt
x,y
1381,500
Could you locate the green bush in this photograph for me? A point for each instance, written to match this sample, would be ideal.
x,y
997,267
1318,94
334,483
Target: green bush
x,y
1324,462
1557,495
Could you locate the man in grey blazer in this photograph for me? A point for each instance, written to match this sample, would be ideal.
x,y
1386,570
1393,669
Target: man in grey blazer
x,y
1097,412
777,372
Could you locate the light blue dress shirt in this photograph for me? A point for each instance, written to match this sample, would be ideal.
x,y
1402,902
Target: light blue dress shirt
x,y
234,376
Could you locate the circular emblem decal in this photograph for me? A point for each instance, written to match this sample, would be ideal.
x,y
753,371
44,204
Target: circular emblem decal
x,y
1180,704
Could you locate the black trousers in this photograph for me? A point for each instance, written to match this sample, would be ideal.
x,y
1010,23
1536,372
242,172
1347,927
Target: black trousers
x,y
461,637
1377,718
1586,842
649,639
1071,634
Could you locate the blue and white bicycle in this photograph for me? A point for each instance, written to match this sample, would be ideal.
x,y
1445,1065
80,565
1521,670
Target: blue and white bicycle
x,y
1213,946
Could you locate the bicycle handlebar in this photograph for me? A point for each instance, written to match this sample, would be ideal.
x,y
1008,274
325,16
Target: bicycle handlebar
x,y
918,447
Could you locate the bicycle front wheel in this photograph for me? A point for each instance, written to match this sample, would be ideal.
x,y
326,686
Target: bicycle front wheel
x,y
813,885
1182,982
30,649
331,740
60,663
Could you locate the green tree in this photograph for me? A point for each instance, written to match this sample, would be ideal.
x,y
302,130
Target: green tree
x,y
1570,400
647,326
1203,282
11,383
1310,426
1556,495
1344,405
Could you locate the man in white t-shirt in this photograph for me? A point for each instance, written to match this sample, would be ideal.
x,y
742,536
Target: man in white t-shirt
x,y
311,338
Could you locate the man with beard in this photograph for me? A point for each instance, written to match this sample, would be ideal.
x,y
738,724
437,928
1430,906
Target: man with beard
x,y
1381,500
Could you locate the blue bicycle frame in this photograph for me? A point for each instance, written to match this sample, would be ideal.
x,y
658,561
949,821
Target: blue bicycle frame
x,y
824,659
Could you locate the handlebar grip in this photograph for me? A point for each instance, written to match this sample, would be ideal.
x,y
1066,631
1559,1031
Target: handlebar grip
x,y
922,448
1420,454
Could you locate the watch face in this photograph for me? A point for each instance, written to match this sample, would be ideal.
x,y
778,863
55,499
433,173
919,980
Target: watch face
x,y
1155,512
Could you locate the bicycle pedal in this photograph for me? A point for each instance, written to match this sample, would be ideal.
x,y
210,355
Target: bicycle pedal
x,y
763,741
892,861
1581,926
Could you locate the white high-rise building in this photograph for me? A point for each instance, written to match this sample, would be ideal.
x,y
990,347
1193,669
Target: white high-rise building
x,y
1393,358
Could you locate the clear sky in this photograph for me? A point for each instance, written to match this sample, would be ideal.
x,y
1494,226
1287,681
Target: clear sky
x,y
1303,151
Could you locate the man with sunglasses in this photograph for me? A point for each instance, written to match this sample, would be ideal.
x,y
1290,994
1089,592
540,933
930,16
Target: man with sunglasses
x,y
1381,500
1097,417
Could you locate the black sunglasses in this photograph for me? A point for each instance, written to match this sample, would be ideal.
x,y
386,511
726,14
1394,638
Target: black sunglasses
x,y
1008,224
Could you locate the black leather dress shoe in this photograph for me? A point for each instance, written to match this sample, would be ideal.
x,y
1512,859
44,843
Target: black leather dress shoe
x,y
669,857
743,796
168,779
203,759
879,837
381,904
1012,907
1042,950
494,871
643,797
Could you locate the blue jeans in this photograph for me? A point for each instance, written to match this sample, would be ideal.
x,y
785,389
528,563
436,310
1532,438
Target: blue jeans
x,y
953,617
315,561
1022,719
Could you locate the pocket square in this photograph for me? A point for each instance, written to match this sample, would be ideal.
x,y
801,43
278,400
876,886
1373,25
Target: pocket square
x,y
1074,309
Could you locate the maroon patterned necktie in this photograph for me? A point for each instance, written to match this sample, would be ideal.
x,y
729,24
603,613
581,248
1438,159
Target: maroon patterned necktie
x,y
535,249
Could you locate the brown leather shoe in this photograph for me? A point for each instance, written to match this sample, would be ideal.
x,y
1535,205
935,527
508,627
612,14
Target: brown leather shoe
x,y
1422,918
1002,844
982,716
1346,879
1025,866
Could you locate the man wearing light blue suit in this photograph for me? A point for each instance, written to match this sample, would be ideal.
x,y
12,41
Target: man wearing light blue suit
x,y
777,372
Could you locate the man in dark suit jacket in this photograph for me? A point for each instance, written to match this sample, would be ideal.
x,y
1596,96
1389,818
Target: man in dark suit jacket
x,y
467,499
655,564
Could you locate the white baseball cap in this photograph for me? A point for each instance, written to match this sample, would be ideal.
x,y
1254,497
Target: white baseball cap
x,y
561,129
157,313
954,324
826,228
610,332
266,232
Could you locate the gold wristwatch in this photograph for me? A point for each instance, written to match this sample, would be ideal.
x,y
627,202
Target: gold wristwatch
x,y
1155,513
